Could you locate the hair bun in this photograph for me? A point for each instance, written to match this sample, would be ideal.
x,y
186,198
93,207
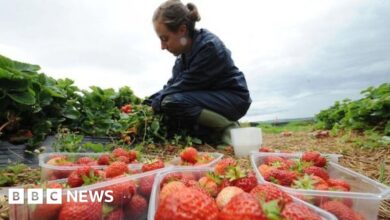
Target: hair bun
x,y
194,14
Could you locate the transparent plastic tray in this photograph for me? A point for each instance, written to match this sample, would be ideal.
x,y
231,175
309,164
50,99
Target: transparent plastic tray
x,y
365,195
199,172
143,187
53,172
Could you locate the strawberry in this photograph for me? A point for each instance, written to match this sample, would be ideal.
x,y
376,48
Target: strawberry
x,y
246,183
209,184
116,214
295,211
317,171
146,185
156,164
269,160
132,155
222,166
170,177
339,182
46,211
224,183
189,154
117,152
116,168
265,170
203,159
339,209
315,158
123,159
104,159
126,108
187,203
226,194
169,188
137,207
122,192
310,156
282,177
83,176
84,160
320,162
242,206
265,149
81,210
269,192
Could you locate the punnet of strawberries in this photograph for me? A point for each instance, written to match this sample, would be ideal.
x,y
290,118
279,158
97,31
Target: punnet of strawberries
x,y
310,172
225,192
62,164
130,193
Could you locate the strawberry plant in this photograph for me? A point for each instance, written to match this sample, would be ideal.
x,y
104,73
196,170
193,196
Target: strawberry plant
x,y
372,112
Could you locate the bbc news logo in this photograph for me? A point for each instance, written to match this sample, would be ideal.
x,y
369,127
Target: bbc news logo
x,y
55,196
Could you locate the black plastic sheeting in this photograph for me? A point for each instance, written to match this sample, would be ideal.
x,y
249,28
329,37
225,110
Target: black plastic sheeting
x,y
10,153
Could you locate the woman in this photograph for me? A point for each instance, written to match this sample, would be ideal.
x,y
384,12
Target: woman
x,y
206,88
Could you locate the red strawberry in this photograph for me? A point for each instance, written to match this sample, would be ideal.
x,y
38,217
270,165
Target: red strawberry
x,y
295,211
116,168
46,211
169,188
222,166
81,210
226,195
121,192
123,159
242,206
187,203
189,154
246,183
282,177
117,214
104,159
83,176
117,152
269,192
145,185
137,207
224,183
156,164
339,209
310,156
320,162
339,182
132,155
126,108
315,158
170,178
265,149
269,160
84,160
209,184
317,171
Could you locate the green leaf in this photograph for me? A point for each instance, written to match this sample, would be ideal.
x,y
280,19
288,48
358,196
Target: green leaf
x,y
25,98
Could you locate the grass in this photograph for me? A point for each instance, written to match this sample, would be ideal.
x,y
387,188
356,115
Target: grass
x,y
295,126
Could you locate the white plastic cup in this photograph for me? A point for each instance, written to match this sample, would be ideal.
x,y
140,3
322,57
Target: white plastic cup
x,y
245,140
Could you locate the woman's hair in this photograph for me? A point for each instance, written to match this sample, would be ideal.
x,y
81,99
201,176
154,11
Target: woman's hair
x,y
173,13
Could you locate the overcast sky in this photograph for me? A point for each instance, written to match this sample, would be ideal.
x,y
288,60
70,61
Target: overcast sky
x,y
298,56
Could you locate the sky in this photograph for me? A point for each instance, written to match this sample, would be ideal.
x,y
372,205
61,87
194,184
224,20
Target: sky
x,y
298,56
